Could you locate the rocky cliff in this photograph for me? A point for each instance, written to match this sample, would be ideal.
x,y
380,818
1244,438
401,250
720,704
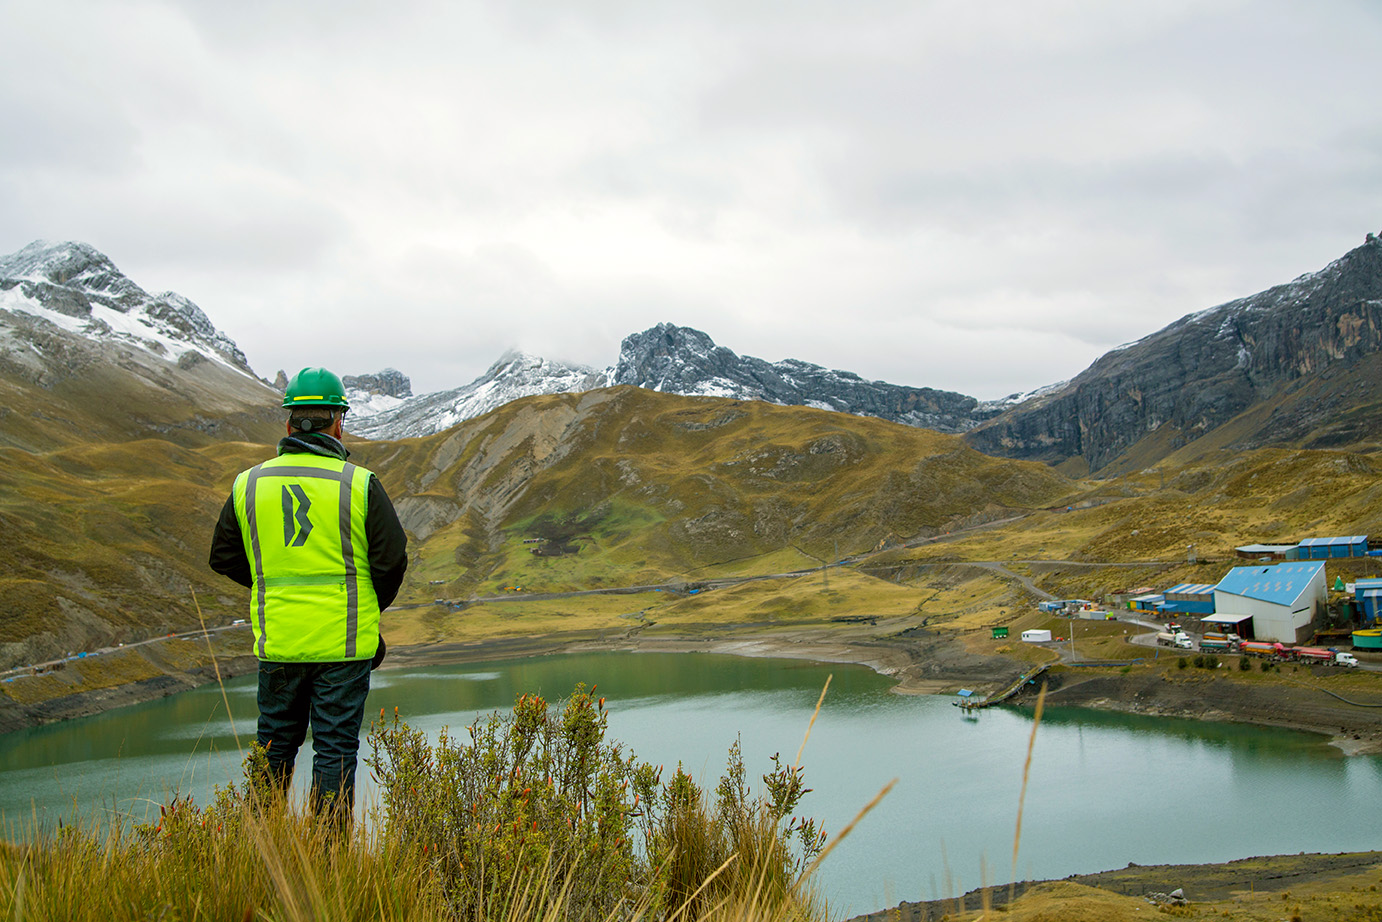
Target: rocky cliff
x,y
1274,363
680,360
79,340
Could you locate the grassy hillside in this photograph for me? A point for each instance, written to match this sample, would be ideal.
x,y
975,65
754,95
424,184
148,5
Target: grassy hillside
x,y
107,543
626,488
85,396
1136,530
572,492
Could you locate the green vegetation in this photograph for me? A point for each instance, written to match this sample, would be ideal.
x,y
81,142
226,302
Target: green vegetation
x,y
625,487
540,796
538,816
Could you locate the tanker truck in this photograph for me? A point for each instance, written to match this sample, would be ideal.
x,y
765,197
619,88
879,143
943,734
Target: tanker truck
x,y
1217,643
1330,657
1265,648
1178,639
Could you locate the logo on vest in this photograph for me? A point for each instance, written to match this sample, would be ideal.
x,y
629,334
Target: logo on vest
x,y
296,525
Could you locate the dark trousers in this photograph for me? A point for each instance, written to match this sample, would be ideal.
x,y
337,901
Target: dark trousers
x,y
331,698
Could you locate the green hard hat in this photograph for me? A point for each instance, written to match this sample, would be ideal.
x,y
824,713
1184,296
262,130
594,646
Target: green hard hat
x,y
315,387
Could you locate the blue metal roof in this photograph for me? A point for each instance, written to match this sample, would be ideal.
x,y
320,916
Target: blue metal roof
x,y
1332,542
1192,589
1281,584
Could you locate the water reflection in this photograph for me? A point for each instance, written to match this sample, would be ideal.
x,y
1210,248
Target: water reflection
x,y
1105,788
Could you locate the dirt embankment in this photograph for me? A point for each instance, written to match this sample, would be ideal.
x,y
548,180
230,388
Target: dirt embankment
x,y
928,662
1200,884
81,688
1353,721
922,661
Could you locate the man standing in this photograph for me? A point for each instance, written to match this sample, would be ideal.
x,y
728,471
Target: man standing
x,y
320,547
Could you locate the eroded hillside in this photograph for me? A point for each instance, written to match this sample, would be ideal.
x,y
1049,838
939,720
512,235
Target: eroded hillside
x,y
623,486
643,487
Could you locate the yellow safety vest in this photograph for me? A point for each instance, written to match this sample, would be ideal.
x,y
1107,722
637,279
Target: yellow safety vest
x,y
303,520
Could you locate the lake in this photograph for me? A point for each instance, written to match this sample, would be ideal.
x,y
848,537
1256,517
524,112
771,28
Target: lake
x,y
1104,790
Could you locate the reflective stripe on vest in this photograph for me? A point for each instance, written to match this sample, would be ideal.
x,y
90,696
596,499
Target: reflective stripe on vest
x,y
325,570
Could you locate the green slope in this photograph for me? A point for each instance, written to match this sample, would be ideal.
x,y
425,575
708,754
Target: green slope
x,y
641,487
107,542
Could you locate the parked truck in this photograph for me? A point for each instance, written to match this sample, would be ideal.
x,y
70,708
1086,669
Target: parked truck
x,y
1178,639
1329,657
1220,643
1264,648
1318,655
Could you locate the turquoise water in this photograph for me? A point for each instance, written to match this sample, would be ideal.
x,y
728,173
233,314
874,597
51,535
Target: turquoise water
x,y
1104,789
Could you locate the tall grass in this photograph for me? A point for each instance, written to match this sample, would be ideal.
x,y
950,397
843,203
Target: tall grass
x,y
234,863
536,818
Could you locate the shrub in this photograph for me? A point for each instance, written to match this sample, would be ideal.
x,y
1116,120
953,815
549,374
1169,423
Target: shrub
x,y
1199,661
245,855
1210,661
539,806
1181,663
1244,664
252,854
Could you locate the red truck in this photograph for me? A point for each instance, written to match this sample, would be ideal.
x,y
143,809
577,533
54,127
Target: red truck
x,y
1265,648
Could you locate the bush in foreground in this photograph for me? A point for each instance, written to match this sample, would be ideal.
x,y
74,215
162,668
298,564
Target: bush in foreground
x,y
537,817
536,806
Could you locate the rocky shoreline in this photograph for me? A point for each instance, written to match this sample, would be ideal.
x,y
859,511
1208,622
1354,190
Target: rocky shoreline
x,y
925,662
920,661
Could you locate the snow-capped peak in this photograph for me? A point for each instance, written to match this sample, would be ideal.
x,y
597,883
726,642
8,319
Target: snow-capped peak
x,y
514,375
77,288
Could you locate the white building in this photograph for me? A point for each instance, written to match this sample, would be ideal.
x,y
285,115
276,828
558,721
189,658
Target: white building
x,y
1277,603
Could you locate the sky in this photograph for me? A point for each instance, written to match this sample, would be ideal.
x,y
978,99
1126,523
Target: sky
x,y
976,197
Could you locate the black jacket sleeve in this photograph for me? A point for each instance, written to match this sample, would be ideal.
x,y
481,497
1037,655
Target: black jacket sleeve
x,y
228,547
388,545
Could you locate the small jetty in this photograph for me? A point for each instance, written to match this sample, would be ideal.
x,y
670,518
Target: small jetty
x,y
966,700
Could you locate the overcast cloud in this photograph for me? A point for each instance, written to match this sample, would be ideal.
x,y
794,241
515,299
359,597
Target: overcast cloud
x,y
981,197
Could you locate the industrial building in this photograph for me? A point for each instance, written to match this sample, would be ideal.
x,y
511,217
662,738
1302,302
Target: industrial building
x,y
1327,548
1277,603
1151,601
1310,549
1183,599
1267,551
1367,593
1189,599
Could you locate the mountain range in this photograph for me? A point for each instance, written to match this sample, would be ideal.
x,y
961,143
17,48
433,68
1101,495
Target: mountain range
x,y
85,353
1299,363
125,415
669,359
